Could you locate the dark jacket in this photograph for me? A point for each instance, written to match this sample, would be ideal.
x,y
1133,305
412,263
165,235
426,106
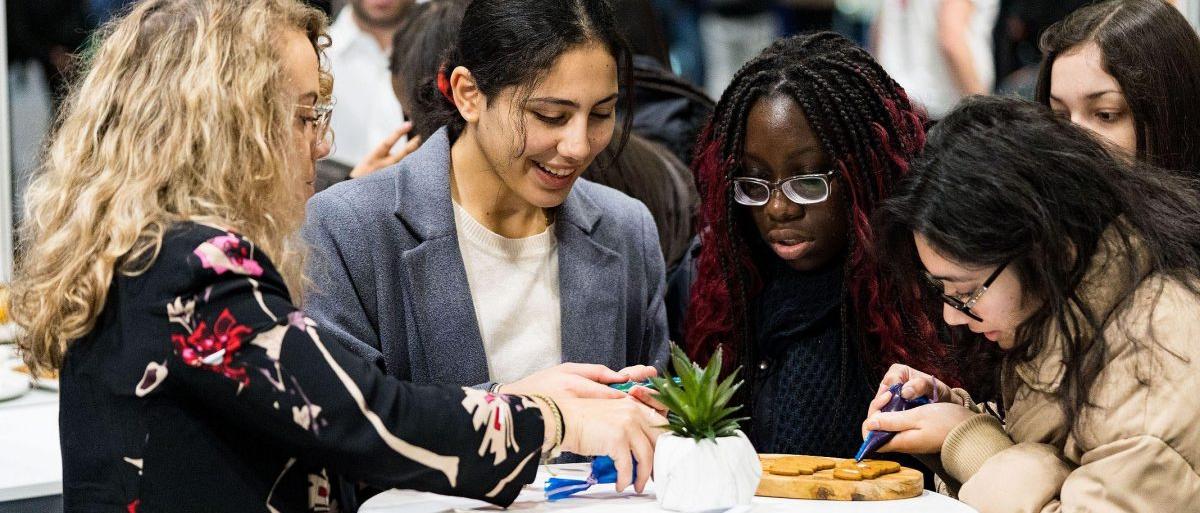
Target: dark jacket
x,y
649,173
201,388
668,109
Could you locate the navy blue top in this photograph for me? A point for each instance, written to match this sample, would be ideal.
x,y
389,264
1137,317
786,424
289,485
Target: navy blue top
x,y
811,390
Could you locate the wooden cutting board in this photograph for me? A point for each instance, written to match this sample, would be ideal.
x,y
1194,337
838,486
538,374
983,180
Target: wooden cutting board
x,y
906,483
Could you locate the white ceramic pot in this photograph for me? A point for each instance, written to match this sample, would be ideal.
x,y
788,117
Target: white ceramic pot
x,y
704,475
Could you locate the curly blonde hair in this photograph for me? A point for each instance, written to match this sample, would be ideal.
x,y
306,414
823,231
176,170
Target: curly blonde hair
x,y
179,115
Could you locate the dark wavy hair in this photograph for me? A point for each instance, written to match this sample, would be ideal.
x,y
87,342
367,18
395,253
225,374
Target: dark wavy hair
x,y
514,43
427,31
870,130
1005,180
1154,54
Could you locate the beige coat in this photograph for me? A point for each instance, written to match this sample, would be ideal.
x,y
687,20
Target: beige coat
x,y
1138,451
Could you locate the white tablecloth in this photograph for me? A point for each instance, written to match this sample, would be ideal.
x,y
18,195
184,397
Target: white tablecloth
x,y
603,498
30,461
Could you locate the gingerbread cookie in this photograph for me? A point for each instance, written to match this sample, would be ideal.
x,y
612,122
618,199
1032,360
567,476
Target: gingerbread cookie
x,y
866,469
798,465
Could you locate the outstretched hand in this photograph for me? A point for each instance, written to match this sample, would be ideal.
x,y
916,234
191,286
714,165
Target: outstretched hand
x,y
382,155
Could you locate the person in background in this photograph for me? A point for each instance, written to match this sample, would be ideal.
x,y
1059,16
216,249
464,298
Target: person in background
x,y
668,109
46,33
42,37
733,32
811,135
681,22
426,34
1083,267
940,51
482,259
369,129
1015,50
801,16
1129,71
161,268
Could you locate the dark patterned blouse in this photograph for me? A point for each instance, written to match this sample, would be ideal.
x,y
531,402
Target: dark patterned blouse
x,y
202,388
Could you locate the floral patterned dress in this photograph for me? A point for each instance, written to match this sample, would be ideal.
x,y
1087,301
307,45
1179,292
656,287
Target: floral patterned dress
x,y
202,388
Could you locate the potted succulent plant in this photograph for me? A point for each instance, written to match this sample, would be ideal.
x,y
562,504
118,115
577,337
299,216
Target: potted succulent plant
x,y
703,461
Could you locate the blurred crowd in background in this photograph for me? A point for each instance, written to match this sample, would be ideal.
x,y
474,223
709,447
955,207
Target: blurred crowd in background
x,y
939,50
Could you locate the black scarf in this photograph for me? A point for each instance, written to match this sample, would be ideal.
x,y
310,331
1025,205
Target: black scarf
x,y
794,303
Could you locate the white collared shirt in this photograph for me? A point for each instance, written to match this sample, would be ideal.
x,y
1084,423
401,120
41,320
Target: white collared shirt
x,y
367,110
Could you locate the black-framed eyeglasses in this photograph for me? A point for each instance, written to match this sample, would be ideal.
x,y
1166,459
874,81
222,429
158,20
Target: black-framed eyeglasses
x,y
802,189
956,301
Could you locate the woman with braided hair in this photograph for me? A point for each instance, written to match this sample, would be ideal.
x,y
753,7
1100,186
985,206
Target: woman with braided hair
x,y
808,139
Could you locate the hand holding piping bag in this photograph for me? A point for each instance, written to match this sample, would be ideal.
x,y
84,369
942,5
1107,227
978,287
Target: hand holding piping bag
x,y
907,416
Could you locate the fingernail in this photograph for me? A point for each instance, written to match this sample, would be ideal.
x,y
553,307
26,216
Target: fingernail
x,y
873,425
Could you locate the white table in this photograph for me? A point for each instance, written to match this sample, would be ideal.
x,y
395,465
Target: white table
x,y
30,458
603,499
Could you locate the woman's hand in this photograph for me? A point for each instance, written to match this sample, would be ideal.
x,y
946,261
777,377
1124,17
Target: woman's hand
x,y
622,429
647,396
382,155
921,430
916,384
639,372
582,380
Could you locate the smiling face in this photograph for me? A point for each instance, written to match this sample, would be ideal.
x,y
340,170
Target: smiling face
x,y
781,144
1001,307
1081,90
567,120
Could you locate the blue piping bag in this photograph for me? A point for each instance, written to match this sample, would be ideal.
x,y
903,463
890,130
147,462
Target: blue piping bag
x,y
603,471
875,439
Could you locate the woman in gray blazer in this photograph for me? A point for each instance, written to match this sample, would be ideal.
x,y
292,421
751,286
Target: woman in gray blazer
x,y
482,258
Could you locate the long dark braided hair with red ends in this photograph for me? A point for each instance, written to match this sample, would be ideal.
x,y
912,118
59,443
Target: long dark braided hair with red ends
x,y
870,129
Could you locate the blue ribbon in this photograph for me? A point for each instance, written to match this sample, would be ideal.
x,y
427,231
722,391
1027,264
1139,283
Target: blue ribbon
x,y
603,471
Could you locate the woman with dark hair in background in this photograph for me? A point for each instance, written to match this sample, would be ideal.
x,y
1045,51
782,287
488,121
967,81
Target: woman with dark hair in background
x,y
1084,269
808,139
429,30
1128,70
482,259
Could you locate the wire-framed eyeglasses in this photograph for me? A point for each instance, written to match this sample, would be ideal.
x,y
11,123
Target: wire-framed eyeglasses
x,y
965,302
318,122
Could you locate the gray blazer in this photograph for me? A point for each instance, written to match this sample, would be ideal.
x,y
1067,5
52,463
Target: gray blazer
x,y
389,281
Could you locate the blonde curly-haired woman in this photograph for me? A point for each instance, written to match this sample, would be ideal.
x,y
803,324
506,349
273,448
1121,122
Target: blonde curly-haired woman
x,y
189,380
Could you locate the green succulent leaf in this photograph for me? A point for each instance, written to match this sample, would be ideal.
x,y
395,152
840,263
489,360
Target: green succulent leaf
x,y
699,405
